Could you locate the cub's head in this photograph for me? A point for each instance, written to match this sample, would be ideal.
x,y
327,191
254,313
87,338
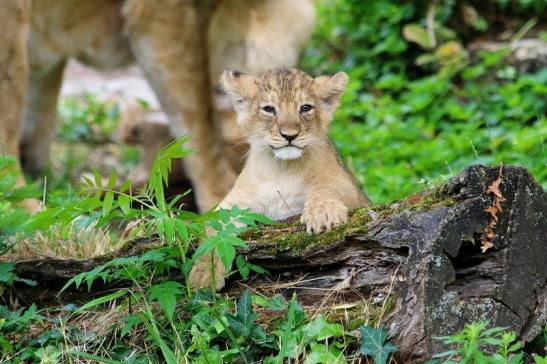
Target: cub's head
x,y
285,111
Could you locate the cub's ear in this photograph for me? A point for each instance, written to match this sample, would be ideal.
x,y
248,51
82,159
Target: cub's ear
x,y
329,89
239,86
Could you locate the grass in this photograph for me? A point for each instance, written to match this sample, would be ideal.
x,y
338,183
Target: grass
x,y
410,119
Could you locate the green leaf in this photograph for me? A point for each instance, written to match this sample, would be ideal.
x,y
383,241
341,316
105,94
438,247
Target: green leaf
x,y
259,218
7,276
98,179
223,246
125,186
130,321
491,331
167,294
256,268
112,179
277,303
94,357
124,203
107,202
321,353
159,173
289,347
152,329
320,329
153,255
245,307
242,267
417,34
517,359
244,320
101,300
169,227
209,244
29,282
227,253
294,317
6,272
182,230
374,344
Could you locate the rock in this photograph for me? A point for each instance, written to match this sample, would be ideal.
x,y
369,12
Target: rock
x,y
527,55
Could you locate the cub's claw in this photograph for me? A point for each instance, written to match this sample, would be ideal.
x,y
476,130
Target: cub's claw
x,y
324,215
201,275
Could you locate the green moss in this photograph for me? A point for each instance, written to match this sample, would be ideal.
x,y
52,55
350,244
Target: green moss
x,y
429,199
292,236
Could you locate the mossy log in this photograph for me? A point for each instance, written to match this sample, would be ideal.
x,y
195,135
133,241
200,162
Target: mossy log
x,y
423,253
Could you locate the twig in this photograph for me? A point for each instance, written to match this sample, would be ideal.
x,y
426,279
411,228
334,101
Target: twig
x,y
430,23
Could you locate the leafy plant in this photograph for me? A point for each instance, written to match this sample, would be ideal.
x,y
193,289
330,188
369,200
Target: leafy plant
x,y
477,344
401,124
374,344
407,118
12,216
15,324
87,118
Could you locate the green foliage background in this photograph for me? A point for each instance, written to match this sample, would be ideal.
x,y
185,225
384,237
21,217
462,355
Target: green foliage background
x,y
401,125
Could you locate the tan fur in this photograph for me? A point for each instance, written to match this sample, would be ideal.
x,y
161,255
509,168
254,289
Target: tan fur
x,y
14,16
168,40
148,130
312,182
253,36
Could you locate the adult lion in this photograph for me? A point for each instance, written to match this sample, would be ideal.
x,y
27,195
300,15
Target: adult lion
x,y
182,47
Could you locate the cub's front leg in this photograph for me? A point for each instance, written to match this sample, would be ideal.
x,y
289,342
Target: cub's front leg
x,y
208,272
323,213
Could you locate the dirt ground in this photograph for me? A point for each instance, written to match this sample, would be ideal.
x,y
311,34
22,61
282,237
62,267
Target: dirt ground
x,y
127,83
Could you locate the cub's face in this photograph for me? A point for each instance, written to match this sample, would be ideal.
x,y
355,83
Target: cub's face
x,y
285,111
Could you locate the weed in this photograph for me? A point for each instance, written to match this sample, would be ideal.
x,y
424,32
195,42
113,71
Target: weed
x,y
479,345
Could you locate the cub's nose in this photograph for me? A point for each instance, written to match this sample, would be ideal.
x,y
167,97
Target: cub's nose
x,y
289,137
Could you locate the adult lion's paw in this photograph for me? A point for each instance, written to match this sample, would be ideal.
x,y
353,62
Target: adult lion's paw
x,y
201,275
324,215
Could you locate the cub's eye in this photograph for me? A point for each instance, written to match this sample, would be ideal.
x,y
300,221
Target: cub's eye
x,y
269,109
305,108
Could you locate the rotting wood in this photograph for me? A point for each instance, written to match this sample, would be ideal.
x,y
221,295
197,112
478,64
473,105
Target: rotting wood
x,y
423,251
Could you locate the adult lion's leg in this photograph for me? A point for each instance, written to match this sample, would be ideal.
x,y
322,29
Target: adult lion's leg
x,y
14,16
39,117
169,42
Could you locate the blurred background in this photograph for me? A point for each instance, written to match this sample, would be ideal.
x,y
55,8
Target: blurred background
x,y
434,86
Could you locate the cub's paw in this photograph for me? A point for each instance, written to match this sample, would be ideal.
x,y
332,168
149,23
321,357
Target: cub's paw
x,y
32,205
324,215
203,271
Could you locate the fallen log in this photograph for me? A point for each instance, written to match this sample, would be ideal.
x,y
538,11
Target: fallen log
x,y
422,255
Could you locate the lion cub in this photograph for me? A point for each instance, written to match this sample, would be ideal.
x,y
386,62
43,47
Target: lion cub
x,y
292,166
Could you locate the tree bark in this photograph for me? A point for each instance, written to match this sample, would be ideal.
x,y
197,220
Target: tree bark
x,y
422,254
